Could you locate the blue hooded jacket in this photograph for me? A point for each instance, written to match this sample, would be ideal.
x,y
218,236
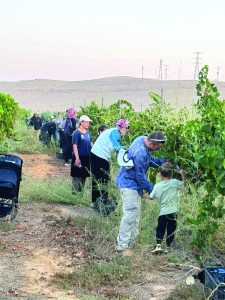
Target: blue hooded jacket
x,y
136,178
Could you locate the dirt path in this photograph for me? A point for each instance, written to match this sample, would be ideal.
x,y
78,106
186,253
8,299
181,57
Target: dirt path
x,y
30,254
28,258
43,166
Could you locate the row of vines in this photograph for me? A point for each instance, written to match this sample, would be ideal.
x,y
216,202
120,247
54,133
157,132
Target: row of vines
x,y
196,141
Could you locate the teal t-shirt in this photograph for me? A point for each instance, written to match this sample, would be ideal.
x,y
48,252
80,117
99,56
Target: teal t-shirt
x,y
166,192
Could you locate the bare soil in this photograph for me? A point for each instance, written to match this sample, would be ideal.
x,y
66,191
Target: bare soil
x,y
43,166
32,250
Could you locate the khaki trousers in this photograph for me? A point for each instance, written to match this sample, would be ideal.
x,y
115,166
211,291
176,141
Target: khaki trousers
x,y
129,226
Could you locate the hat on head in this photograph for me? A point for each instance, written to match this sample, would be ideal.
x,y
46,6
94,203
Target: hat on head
x,y
70,112
84,118
122,123
157,136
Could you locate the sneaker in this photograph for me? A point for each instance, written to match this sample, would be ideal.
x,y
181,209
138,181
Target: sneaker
x,y
157,249
119,251
67,165
125,252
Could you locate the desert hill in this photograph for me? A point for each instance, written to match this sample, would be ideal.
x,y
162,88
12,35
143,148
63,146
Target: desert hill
x,y
56,95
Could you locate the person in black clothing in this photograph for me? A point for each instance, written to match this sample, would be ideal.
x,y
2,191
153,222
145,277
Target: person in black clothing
x,y
47,131
68,127
35,121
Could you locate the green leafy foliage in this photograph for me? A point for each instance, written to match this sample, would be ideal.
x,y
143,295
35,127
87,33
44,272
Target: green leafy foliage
x,y
196,141
107,115
9,110
202,143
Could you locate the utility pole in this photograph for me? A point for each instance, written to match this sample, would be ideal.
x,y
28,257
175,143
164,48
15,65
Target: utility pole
x,y
217,73
197,64
160,69
142,72
165,74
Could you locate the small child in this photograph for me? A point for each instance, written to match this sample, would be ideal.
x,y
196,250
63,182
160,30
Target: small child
x,y
166,192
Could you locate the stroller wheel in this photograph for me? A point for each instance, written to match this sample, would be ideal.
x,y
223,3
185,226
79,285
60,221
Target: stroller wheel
x,y
8,209
14,211
12,216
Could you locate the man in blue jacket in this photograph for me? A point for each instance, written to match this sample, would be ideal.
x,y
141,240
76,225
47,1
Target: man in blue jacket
x,y
133,182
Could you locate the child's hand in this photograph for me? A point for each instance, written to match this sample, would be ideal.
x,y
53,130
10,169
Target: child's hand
x,y
146,196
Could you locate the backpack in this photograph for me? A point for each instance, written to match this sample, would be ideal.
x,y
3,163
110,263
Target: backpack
x,y
68,128
123,160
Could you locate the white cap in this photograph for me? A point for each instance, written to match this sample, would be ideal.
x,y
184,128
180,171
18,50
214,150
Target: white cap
x,y
84,118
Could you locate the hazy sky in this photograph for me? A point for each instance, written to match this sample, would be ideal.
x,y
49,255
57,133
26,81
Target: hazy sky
x,y
87,39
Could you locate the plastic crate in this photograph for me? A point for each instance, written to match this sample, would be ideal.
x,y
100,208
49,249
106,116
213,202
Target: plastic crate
x,y
215,280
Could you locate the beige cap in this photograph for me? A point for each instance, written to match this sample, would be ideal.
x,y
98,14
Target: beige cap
x,y
84,118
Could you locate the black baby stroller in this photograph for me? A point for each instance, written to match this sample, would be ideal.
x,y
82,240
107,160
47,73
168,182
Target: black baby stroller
x,y
10,177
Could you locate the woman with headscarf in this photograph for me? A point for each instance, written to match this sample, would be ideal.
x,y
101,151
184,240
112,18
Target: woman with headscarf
x,y
101,153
